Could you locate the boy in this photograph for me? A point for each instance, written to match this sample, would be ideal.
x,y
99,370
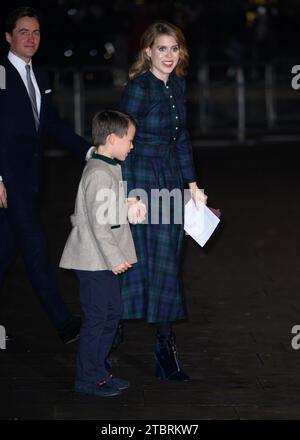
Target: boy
x,y
99,247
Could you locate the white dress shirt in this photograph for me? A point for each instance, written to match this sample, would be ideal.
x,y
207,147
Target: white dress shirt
x,y
19,64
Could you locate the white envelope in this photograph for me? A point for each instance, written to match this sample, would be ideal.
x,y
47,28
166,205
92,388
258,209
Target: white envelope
x,y
199,223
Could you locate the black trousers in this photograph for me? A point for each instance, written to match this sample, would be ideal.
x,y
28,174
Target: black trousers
x,y
102,307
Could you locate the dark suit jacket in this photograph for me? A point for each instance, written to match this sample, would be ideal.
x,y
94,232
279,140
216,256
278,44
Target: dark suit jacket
x,y
20,145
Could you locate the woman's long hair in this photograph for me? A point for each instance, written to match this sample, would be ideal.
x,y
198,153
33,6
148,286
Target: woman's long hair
x,y
143,61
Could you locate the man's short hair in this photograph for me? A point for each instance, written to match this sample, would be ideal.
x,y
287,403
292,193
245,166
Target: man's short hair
x,y
16,14
107,122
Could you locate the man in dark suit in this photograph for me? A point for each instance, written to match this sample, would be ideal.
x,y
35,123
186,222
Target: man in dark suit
x,y
26,114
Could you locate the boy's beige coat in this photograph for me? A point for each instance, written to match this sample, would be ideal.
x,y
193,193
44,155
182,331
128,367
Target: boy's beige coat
x,y
93,245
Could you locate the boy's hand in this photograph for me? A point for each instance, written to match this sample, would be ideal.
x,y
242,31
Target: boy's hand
x,y
136,211
122,268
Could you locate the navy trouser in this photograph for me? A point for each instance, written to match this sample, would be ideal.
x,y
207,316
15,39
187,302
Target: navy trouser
x,y
20,229
101,303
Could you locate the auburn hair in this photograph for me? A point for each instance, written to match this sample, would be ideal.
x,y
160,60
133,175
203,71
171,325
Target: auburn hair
x,y
143,61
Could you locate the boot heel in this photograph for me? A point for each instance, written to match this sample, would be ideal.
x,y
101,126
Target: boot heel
x,y
167,365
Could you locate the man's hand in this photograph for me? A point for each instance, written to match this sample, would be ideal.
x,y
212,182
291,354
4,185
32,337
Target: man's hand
x,y
3,196
122,268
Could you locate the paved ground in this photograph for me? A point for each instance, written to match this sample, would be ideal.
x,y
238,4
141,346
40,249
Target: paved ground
x,y
242,294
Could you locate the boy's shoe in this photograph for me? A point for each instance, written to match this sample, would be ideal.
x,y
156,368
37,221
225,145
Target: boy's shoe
x,y
103,388
121,384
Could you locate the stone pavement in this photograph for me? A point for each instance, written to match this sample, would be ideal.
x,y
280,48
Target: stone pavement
x,y
242,293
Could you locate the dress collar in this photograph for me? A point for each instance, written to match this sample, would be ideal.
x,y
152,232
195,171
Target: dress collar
x,y
104,158
157,80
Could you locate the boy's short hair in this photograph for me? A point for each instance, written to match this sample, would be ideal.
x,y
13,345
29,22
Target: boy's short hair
x,y
107,122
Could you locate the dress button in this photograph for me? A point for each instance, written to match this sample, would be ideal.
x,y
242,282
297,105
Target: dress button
x,y
176,117
171,96
176,128
173,106
174,139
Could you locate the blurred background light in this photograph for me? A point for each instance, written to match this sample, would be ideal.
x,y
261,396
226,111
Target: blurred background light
x,y
68,53
72,12
109,48
93,52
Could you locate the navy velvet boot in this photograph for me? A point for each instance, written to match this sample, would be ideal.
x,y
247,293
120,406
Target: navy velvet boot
x,y
166,359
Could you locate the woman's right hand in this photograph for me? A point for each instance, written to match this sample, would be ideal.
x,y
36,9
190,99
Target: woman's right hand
x,y
197,195
121,268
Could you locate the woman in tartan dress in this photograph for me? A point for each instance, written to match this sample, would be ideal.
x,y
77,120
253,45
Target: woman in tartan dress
x,y
161,159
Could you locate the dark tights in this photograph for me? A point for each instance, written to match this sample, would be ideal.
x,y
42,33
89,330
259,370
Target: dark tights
x,y
163,328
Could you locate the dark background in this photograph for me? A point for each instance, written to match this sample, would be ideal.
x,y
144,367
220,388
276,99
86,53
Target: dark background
x,y
242,288
215,30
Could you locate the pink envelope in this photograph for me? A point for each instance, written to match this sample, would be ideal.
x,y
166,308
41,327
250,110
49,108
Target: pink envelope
x,y
217,212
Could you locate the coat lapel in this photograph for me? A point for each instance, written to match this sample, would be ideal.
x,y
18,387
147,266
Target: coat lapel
x,y
17,80
20,87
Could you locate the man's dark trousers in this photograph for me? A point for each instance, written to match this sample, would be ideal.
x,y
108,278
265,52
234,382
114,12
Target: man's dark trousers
x,y
21,153
102,306
21,230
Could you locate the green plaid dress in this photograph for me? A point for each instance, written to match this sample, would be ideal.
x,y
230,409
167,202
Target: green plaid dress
x,y
161,158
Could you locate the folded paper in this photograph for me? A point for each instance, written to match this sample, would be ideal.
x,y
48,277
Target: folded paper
x,y
200,223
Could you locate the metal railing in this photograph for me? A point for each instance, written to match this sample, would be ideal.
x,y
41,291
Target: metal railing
x,y
222,101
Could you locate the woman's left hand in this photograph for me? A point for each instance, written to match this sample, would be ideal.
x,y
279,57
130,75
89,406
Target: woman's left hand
x,y
197,195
